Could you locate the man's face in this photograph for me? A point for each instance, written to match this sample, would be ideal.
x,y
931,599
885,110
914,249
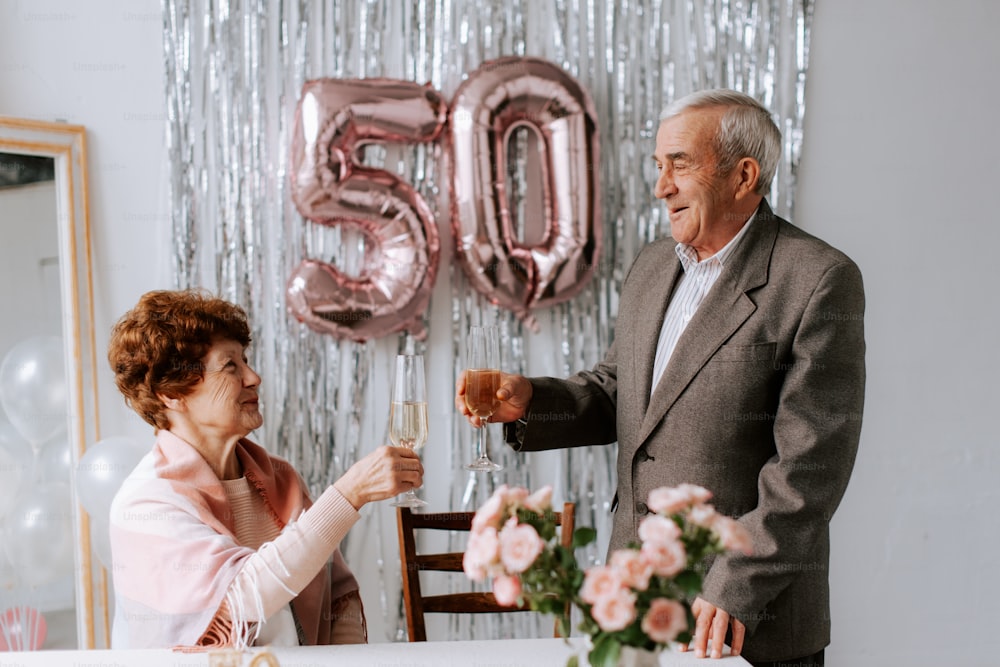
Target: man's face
x,y
700,201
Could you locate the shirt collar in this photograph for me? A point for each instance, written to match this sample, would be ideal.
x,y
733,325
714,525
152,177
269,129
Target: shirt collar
x,y
689,256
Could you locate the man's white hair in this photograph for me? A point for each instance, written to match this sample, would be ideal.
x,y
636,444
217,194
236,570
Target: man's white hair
x,y
746,130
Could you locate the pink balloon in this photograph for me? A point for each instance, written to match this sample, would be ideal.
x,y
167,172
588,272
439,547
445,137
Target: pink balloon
x,y
490,105
333,120
22,629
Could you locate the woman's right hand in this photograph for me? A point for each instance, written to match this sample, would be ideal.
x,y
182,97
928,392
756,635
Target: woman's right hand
x,y
386,472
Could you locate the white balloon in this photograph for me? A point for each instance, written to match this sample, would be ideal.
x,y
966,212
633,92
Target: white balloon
x,y
54,460
101,471
8,577
16,464
10,480
38,534
100,540
33,388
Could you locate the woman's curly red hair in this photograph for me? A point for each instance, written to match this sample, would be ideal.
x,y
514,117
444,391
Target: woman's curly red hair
x,y
158,346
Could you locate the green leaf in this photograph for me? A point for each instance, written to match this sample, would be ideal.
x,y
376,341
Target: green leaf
x,y
573,661
583,536
588,625
633,635
605,652
690,582
549,606
564,629
565,557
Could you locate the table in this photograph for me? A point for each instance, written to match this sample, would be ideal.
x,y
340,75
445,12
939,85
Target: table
x,y
481,653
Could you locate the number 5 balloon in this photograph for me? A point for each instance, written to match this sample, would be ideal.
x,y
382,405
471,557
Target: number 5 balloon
x,y
334,118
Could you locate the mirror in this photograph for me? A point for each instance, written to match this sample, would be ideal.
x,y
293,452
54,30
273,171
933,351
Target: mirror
x,y
47,305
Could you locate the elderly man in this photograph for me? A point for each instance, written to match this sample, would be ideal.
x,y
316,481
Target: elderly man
x,y
738,365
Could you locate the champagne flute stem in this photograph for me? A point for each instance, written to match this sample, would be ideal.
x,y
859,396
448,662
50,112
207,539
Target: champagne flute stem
x,y
481,444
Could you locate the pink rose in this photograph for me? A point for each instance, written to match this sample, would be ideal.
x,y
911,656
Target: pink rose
x,y
666,500
614,612
492,511
506,590
667,558
600,582
656,528
732,535
481,553
633,568
664,620
703,515
519,546
696,494
515,496
540,501
671,500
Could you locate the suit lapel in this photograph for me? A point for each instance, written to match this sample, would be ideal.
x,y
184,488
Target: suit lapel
x,y
726,307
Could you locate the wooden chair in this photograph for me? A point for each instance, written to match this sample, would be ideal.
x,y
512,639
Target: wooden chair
x,y
413,563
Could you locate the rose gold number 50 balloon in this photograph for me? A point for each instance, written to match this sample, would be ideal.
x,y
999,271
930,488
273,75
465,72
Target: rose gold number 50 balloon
x,y
334,118
328,187
497,99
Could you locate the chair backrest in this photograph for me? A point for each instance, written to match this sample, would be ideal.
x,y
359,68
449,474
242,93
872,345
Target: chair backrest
x,y
413,563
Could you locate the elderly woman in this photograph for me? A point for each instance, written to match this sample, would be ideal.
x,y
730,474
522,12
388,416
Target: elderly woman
x,y
215,541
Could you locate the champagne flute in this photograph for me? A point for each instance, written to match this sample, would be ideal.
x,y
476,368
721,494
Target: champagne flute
x,y
482,380
408,413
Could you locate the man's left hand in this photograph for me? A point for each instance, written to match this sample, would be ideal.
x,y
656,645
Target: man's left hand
x,y
711,624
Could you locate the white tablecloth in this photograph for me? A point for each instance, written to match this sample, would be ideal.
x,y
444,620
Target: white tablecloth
x,y
497,653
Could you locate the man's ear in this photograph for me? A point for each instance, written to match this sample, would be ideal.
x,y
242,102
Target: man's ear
x,y
747,173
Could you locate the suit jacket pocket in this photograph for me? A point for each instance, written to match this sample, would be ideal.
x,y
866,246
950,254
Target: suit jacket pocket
x,y
744,353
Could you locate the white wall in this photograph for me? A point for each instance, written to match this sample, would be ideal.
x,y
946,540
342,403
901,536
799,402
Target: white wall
x,y
899,158
900,170
99,64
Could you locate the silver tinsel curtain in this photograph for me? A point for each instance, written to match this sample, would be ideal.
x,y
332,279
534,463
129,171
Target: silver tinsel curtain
x,y
234,70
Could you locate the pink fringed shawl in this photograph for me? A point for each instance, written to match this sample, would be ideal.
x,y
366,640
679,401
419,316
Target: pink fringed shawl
x,y
175,554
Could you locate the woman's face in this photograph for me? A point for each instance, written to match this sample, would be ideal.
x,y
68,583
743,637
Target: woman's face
x,y
224,402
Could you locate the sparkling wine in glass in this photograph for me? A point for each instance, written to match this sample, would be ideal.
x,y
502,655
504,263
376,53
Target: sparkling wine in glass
x,y
408,413
482,379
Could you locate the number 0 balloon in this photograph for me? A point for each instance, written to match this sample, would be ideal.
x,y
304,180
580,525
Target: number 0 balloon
x,y
497,99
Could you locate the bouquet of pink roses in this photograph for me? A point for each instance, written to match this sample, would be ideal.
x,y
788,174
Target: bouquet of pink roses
x,y
640,598
514,541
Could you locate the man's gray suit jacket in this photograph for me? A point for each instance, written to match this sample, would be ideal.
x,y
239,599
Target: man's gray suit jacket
x,y
760,403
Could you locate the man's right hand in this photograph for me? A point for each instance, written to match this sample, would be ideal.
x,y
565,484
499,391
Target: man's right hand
x,y
514,395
